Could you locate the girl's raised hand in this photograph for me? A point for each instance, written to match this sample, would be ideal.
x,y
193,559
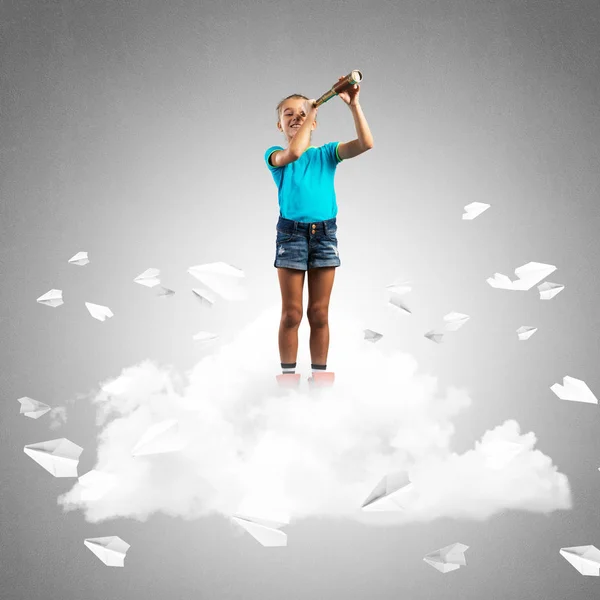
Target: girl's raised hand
x,y
350,96
309,107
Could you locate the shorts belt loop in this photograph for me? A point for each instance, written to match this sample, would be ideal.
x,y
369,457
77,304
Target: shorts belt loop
x,y
326,231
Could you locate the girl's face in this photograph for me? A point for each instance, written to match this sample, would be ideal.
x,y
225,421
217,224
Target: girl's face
x,y
293,114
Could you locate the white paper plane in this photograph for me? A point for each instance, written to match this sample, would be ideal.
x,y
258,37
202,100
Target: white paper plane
x,y
499,453
455,321
160,438
395,502
149,278
81,259
164,292
448,558
264,531
205,336
386,494
575,390
222,278
98,311
525,332
527,276
59,457
474,210
52,298
435,336
96,484
586,559
204,296
399,288
32,408
110,550
397,301
548,290
372,336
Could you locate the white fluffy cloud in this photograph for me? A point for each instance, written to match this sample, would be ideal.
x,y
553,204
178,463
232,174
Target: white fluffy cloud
x,y
254,449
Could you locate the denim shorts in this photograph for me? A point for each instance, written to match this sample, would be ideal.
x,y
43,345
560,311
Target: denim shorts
x,y
306,245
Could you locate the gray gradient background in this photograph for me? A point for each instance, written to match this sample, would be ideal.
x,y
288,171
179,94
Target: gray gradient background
x,y
136,131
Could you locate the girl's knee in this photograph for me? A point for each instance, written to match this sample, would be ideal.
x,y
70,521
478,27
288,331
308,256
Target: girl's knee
x,y
291,318
318,316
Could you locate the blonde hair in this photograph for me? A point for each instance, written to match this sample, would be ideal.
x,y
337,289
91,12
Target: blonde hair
x,y
292,96
281,103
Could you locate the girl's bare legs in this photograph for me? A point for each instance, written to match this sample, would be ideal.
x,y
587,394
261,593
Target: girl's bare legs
x,y
291,282
320,283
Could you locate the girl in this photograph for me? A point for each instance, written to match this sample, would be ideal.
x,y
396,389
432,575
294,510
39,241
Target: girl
x,y
306,230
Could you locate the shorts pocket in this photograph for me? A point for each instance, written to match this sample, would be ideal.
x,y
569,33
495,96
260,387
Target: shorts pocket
x,y
284,236
332,234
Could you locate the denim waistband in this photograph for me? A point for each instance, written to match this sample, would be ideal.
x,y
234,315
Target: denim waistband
x,y
284,224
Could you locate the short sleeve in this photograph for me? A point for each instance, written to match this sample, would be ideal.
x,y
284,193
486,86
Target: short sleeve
x,y
331,151
268,154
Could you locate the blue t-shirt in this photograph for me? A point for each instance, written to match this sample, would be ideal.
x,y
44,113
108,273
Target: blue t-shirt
x,y
305,186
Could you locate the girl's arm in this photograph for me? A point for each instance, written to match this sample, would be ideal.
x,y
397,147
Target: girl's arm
x,y
364,141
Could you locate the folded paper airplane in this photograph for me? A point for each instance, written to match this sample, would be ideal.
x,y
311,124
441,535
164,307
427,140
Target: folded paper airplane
x,y
372,336
164,292
525,332
98,311
474,210
110,550
586,559
498,454
81,259
160,438
390,493
448,558
455,321
435,336
548,290
52,298
527,276
32,408
59,457
221,278
399,288
264,531
204,297
398,302
205,336
149,278
574,390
